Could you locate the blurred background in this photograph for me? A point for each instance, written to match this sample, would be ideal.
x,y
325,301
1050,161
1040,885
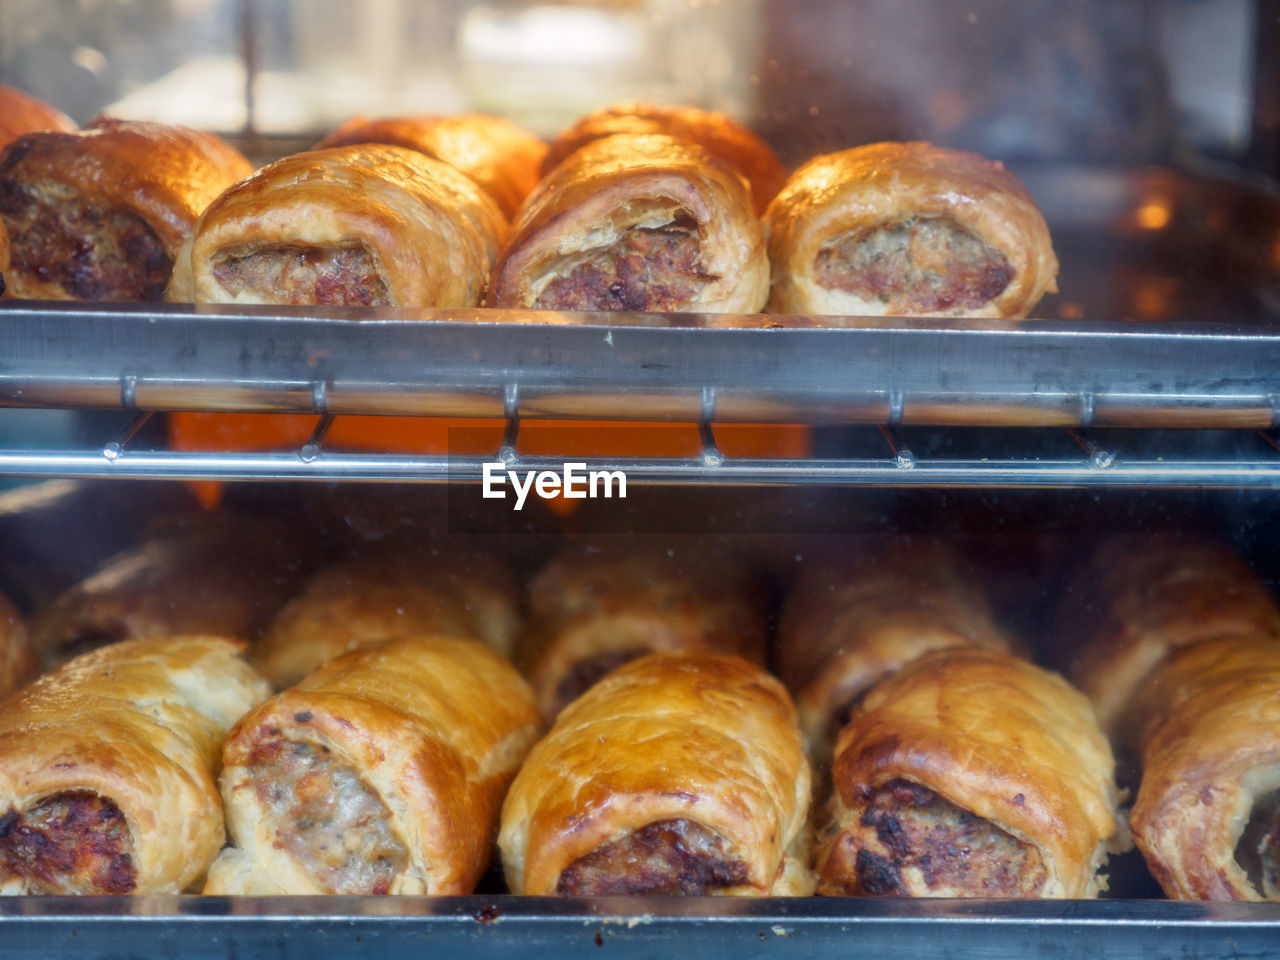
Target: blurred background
x,y
1098,80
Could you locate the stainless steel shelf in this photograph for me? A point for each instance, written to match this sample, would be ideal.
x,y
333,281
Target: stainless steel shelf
x,y
546,364
394,927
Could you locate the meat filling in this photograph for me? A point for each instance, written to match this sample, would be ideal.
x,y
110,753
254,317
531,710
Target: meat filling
x,y
91,253
586,673
327,818
663,857
656,269
915,266
1258,852
956,853
335,276
69,843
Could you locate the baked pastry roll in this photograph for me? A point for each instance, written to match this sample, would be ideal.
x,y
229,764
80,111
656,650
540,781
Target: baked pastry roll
x,y
849,622
730,144
970,773
18,663
382,772
100,214
21,113
503,158
1141,597
107,768
903,229
368,225
636,223
1207,816
224,576
594,608
371,598
673,775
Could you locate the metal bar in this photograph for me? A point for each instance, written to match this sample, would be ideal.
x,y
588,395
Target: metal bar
x,y
555,927
315,443
1162,473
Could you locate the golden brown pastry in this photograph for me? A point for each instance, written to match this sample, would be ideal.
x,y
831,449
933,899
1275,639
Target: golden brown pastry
x,y
21,113
368,225
4,254
503,158
107,768
636,223
100,214
970,773
1140,598
382,772
225,576
593,608
673,775
18,663
903,229
371,598
731,144
1207,816
849,622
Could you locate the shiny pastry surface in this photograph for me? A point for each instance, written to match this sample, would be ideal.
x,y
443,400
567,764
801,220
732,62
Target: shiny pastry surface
x,y
366,225
22,113
907,229
730,143
1207,815
672,775
382,772
100,214
107,768
500,156
635,223
970,773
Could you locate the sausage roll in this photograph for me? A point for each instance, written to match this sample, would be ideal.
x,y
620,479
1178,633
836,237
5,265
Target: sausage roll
x,y
99,215
636,223
107,768
382,772
729,143
1207,816
591,609
848,623
673,775
365,226
1141,597
903,229
18,663
970,773
21,113
380,597
222,576
504,159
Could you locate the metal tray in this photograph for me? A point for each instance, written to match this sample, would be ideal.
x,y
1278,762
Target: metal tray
x,y
711,927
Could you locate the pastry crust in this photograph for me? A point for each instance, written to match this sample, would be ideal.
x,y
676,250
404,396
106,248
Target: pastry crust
x,y
1141,597
592,608
18,662
21,113
636,223
371,598
850,622
996,738
729,142
224,576
429,732
359,225
1211,754
503,158
932,197
707,741
134,730
100,214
